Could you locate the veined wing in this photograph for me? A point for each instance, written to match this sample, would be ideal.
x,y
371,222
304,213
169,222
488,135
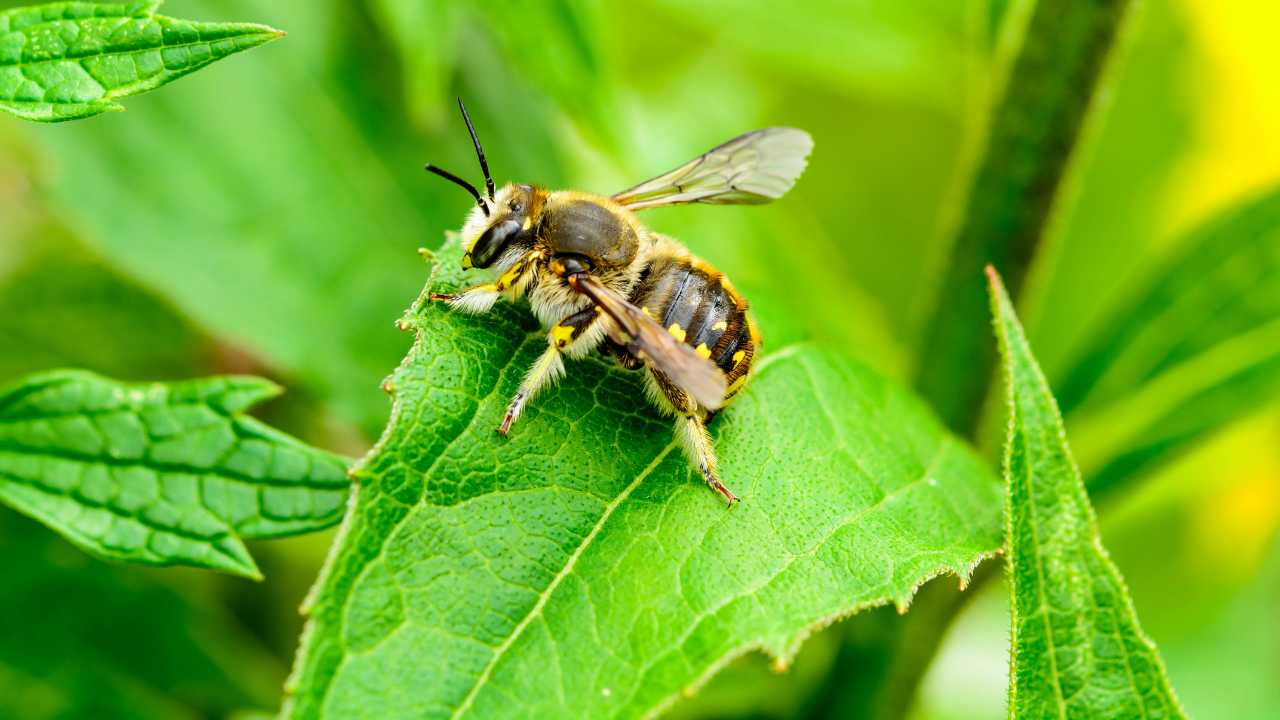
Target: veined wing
x,y
754,168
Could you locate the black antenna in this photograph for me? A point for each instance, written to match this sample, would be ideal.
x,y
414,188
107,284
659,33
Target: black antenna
x,y
459,181
484,164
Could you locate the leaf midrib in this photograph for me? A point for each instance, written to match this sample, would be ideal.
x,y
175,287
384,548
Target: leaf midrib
x,y
1039,560
567,570
223,472
1040,387
125,53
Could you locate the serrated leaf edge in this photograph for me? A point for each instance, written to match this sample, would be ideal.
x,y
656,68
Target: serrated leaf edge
x,y
1004,318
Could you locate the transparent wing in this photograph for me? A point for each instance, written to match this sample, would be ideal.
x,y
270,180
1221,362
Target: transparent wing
x,y
649,341
749,169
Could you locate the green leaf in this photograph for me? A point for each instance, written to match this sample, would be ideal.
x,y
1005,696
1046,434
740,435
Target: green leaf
x,y
71,60
579,568
1036,129
918,52
161,474
1077,649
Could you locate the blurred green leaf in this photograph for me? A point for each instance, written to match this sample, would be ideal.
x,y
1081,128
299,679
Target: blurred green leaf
x,y
553,44
77,312
910,51
70,60
85,640
275,227
1163,418
1077,649
1221,282
579,568
424,35
1194,348
1253,648
1032,137
160,474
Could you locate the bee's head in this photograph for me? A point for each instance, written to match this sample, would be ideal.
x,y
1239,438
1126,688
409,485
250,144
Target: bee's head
x,y
503,228
502,222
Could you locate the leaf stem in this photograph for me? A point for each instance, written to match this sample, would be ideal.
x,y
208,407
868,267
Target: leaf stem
x,y
1036,132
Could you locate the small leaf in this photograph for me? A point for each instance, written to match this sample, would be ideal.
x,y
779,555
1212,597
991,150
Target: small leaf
x,y
581,568
161,474
1077,648
70,60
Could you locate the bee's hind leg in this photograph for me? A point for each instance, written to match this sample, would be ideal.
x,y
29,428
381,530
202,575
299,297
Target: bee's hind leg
x,y
697,441
691,426
550,364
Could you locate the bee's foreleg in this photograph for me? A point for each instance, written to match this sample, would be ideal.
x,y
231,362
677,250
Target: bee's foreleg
x,y
550,365
473,300
480,299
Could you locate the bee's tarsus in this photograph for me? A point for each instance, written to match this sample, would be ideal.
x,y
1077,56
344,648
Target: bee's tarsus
x,y
442,297
512,411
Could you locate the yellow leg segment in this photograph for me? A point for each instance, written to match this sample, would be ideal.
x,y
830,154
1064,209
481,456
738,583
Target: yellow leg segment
x,y
550,365
546,369
480,299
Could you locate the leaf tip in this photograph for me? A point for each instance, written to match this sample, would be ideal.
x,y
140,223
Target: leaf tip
x,y
993,279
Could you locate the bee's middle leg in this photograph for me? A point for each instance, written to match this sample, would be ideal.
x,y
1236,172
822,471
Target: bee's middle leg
x,y
550,365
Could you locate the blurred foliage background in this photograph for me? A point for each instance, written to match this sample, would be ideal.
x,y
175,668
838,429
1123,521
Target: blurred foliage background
x,y
262,217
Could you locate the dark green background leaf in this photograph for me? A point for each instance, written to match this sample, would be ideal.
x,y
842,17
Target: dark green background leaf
x,y
82,639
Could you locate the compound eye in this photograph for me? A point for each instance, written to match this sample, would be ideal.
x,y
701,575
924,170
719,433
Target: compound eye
x,y
493,242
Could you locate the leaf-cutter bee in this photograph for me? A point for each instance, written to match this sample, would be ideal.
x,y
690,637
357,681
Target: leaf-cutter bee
x,y
601,280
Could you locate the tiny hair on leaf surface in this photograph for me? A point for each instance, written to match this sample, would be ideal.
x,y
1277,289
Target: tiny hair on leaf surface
x,y
580,567
71,60
161,473
1077,649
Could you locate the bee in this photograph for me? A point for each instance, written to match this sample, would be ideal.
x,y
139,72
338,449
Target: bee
x,y
601,280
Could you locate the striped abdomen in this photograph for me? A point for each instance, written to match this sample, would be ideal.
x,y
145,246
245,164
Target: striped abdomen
x,y
699,307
